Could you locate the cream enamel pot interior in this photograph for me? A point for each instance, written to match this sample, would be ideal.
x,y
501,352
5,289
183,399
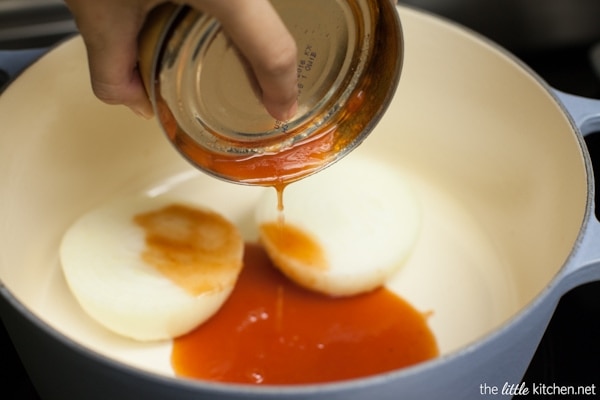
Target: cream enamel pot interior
x,y
499,166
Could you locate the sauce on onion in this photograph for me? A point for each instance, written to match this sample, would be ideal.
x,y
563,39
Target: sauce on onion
x,y
198,250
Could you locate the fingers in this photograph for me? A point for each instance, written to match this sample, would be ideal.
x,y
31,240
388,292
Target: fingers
x,y
115,78
109,29
258,32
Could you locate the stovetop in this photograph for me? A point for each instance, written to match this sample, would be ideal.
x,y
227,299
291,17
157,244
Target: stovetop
x,y
569,353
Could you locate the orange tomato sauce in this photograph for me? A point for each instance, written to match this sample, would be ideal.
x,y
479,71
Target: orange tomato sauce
x,y
291,242
198,250
277,168
271,331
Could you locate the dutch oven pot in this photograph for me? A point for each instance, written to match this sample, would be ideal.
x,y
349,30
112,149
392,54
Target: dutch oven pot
x,y
498,162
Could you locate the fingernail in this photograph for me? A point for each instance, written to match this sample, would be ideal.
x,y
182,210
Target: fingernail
x,y
142,111
287,114
292,111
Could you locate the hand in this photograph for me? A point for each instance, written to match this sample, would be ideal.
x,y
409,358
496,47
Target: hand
x,y
110,29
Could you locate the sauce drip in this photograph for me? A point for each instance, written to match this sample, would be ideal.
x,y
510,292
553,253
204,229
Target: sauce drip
x,y
271,331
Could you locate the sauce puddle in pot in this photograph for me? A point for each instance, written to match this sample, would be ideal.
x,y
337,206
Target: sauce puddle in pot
x,y
271,331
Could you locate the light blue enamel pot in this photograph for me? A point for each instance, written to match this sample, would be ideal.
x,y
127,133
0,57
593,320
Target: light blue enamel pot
x,y
496,156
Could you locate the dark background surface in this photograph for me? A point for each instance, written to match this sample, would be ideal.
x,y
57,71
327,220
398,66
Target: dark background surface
x,y
569,353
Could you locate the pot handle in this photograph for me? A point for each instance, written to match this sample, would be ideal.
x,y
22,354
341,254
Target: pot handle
x,y
585,113
13,62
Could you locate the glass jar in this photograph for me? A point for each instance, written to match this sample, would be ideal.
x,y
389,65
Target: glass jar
x,y
350,55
